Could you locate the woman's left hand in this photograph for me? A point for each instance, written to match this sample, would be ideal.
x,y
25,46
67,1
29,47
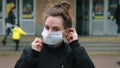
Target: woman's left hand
x,y
71,34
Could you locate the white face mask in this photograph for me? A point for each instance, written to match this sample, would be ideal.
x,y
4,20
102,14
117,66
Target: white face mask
x,y
52,38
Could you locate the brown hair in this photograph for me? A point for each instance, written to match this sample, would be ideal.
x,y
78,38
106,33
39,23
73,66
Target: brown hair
x,y
61,8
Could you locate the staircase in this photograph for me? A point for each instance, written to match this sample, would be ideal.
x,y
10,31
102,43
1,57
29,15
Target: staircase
x,y
10,46
95,45
109,45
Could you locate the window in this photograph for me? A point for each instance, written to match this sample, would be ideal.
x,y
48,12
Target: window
x,y
98,9
27,9
9,5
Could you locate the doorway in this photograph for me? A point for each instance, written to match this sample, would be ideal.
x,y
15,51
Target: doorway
x,y
82,17
101,17
25,14
94,17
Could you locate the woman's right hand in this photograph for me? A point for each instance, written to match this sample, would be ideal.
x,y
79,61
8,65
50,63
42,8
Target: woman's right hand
x,y
37,44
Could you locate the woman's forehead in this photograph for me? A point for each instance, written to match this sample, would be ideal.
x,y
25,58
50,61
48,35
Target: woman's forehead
x,y
54,21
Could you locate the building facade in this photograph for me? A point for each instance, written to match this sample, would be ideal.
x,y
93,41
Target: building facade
x,y
25,14
91,17
94,17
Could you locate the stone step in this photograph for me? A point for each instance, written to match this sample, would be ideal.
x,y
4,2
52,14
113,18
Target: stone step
x,y
91,44
90,47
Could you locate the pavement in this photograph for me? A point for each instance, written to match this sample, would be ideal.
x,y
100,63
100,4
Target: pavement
x,y
99,61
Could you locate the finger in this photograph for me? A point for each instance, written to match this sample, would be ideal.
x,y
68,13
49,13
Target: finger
x,y
70,33
70,36
72,30
38,44
38,40
67,31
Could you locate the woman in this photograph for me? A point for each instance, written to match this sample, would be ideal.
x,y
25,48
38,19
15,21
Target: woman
x,y
52,51
117,17
10,22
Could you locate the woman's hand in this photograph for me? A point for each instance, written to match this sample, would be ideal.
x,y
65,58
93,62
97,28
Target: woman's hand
x,y
71,34
37,44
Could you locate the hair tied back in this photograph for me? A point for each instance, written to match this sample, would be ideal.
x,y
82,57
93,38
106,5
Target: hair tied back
x,y
63,4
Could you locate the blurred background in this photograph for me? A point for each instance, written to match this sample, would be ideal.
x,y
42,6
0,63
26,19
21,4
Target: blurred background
x,y
91,18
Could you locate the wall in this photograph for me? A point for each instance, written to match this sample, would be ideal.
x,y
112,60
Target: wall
x,y
41,5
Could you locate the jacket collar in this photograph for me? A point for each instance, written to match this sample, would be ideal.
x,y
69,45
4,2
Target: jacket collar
x,y
58,48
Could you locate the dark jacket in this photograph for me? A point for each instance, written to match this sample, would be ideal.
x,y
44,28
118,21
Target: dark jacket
x,y
11,18
64,56
117,15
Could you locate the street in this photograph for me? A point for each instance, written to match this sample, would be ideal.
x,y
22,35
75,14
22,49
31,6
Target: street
x,y
99,61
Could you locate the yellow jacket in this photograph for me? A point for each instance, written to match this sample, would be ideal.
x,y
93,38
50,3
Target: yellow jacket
x,y
17,31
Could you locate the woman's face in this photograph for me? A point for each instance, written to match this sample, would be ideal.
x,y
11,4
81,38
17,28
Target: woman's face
x,y
14,10
54,24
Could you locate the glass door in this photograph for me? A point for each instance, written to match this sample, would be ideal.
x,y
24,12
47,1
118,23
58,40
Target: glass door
x,y
5,7
101,17
98,17
27,15
86,17
82,17
79,17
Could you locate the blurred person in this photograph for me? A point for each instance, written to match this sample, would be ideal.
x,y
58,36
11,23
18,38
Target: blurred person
x,y
52,51
118,62
117,17
16,35
10,22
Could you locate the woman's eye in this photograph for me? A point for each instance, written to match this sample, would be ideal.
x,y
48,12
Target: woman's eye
x,y
47,27
56,29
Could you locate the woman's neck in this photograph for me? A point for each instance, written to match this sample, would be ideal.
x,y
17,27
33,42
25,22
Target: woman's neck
x,y
56,45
